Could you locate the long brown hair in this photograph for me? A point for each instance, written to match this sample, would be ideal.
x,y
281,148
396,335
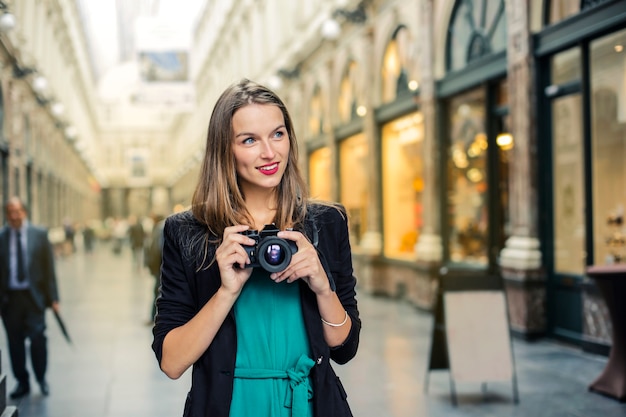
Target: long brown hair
x,y
218,202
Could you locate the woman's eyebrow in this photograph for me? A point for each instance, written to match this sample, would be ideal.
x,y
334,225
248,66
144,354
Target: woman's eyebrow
x,y
254,134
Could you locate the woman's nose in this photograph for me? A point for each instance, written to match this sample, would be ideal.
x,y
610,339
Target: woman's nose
x,y
268,150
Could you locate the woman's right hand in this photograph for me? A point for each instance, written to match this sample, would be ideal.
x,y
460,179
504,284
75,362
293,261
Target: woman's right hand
x,y
232,258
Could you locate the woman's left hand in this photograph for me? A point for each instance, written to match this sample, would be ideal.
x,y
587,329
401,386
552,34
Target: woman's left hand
x,y
305,264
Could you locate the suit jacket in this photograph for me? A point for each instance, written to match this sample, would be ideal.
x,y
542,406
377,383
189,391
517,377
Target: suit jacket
x,y
39,264
185,288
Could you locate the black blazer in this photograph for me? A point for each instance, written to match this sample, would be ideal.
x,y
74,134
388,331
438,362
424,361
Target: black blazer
x,y
184,290
40,266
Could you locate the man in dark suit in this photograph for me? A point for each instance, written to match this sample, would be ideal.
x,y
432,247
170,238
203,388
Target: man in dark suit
x,y
27,287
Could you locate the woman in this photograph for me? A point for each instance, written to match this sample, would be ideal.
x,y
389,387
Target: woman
x,y
259,342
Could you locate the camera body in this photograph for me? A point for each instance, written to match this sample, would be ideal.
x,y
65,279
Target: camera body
x,y
270,252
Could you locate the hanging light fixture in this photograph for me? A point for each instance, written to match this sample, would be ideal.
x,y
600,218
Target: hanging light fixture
x,y
40,84
331,28
57,108
7,19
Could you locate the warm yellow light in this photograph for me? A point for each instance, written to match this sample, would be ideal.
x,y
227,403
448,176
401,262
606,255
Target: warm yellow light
x,y
619,48
474,175
413,85
361,111
459,158
481,140
505,141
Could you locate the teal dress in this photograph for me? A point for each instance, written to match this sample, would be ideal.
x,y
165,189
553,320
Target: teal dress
x,y
273,359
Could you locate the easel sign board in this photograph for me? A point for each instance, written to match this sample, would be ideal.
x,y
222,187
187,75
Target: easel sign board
x,y
479,344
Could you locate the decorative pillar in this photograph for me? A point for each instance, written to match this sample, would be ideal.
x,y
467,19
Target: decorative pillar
x,y
520,260
428,246
372,238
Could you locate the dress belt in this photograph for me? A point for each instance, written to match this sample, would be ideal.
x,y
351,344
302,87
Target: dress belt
x,y
300,391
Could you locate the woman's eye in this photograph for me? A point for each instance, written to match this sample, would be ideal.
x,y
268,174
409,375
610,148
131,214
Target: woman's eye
x,y
279,134
248,141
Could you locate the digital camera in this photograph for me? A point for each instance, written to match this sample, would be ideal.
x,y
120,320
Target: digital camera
x,y
270,252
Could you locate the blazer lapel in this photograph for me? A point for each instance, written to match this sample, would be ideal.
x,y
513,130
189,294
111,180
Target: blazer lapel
x,y
4,251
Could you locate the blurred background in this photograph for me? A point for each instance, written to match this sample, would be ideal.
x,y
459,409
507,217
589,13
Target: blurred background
x,y
468,139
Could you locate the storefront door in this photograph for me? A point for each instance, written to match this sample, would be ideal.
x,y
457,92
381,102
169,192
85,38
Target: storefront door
x,y
567,197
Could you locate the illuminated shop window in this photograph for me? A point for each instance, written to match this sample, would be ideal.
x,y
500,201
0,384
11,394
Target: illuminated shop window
x,y
608,124
354,185
467,190
478,29
403,184
398,66
319,174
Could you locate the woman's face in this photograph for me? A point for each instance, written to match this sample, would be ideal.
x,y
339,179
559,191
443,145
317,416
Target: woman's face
x,y
260,145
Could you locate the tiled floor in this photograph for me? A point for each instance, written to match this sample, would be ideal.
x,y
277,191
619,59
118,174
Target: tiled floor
x,y
109,370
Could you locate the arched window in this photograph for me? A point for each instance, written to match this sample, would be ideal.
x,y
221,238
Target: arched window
x,y
316,115
347,93
477,29
397,65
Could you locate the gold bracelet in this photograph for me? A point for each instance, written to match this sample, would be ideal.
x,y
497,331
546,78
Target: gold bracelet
x,y
335,324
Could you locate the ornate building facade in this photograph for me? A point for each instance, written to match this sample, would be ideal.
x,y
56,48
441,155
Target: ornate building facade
x,y
467,139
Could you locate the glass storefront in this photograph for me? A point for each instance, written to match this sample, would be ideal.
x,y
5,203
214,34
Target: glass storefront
x,y
319,174
403,184
568,193
608,141
467,187
353,153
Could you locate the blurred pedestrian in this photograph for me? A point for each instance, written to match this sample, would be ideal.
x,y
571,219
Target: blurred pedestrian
x,y
27,287
118,233
137,239
70,232
153,257
260,339
89,237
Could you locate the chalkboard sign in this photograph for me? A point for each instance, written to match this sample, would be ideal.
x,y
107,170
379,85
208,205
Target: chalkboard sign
x,y
470,335
477,330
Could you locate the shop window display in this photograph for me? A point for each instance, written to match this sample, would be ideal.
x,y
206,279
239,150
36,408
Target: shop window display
x,y
403,184
608,124
467,189
353,153
319,174
568,179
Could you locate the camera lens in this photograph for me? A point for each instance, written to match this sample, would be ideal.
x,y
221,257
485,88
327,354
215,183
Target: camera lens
x,y
274,254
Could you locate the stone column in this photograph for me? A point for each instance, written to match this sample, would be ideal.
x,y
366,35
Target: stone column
x,y
372,238
428,246
520,260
